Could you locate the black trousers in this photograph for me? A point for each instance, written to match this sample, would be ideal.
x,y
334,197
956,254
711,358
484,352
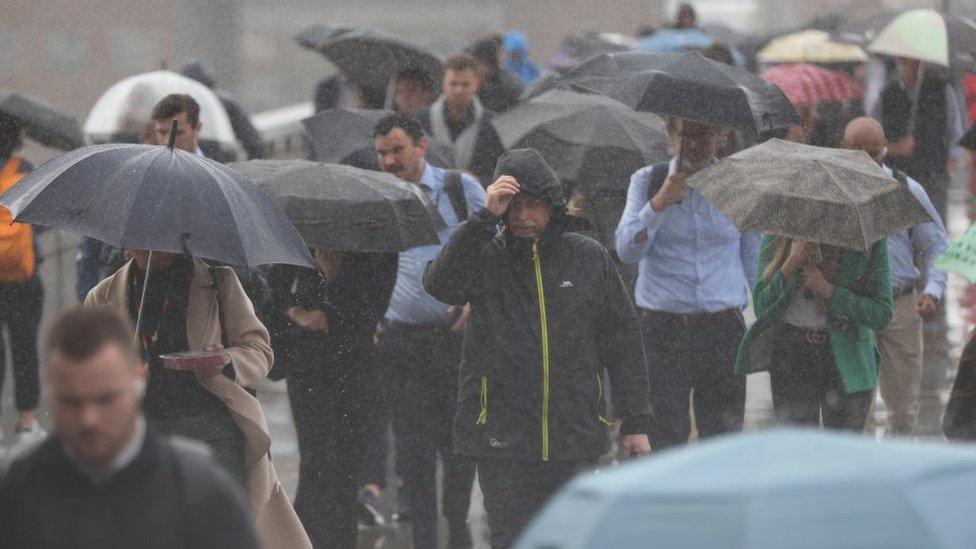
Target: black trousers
x,y
807,387
421,369
688,353
515,490
21,305
331,402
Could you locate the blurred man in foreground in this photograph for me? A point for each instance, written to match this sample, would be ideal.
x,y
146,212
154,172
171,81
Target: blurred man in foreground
x,y
104,480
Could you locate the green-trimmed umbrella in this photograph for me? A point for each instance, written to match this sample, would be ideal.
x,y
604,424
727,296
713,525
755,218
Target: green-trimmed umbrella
x,y
960,256
928,36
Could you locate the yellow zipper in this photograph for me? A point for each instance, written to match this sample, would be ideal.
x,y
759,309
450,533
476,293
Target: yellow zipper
x,y
599,398
545,350
483,414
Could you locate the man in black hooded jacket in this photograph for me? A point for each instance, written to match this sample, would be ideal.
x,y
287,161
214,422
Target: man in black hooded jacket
x,y
549,315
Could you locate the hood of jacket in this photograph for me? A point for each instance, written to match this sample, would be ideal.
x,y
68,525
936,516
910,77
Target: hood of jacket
x,y
534,176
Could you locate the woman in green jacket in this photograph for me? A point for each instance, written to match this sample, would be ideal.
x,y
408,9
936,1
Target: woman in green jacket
x,y
817,307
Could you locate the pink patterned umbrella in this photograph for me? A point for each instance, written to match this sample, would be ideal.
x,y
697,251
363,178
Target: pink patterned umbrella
x,y
806,84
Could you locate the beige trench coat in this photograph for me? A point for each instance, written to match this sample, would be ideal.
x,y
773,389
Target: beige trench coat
x,y
275,519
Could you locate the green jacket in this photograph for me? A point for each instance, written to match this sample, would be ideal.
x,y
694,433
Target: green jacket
x,y
861,304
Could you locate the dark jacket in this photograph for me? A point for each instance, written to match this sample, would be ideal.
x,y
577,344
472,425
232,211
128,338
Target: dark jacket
x,y
354,303
501,91
488,146
548,317
171,496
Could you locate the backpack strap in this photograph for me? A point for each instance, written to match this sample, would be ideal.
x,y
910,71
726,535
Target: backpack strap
x,y
902,178
455,192
659,174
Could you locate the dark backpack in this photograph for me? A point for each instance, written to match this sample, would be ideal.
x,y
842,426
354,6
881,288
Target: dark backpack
x,y
455,192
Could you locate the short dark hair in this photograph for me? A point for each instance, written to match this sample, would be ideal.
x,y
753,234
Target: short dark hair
x,y
174,104
486,50
10,140
80,333
461,62
410,126
419,76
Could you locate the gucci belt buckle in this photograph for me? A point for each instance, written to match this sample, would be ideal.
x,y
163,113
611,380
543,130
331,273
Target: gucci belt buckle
x,y
817,336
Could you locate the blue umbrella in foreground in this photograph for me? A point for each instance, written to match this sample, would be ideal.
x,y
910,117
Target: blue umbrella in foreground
x,y
161,199
780,489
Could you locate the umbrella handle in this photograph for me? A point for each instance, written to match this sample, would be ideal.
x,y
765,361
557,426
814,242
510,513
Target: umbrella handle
x,y
172,134
145,285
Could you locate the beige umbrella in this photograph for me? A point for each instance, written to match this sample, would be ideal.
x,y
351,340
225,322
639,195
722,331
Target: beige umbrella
x,y
915,34
810,46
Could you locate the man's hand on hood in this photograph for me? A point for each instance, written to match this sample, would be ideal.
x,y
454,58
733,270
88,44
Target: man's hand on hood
x,y
500,194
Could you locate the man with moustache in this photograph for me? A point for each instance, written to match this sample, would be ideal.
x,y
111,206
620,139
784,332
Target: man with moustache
x,y
420,344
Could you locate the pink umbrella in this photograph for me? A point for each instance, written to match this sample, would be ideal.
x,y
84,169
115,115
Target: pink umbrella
x,y
806,84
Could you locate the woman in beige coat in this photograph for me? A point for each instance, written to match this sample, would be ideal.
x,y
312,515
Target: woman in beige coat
x,y
215,297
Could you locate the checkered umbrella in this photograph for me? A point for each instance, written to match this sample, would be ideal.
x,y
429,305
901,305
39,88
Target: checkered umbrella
x,y
830,196
806,84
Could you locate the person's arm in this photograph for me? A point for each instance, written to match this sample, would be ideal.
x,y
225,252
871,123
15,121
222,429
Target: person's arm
x,y
249,343
455,275
771,290
357,305
621,349
931,239
639,222
872,307
749,255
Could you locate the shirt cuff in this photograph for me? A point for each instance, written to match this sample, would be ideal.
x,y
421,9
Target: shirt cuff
x,y
934,290
648,217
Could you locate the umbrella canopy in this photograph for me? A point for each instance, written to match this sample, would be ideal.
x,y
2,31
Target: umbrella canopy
x,y
960,256
830,196
150,197
574,49
346,208
806,84
680,40
810,46
337,134
41,122
782,489
686,85
124,111
591,140
370,57
960,32
928,36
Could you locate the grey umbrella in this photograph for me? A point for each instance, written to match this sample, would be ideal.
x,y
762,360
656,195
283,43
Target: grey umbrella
x,y
589,140
336,135
370,57
830,196
347,208
42,122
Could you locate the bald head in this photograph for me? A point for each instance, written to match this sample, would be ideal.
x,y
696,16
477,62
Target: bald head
x,y
866,134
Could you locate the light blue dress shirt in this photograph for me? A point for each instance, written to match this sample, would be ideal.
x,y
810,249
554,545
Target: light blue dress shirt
x,y
693,259
410,303
930,239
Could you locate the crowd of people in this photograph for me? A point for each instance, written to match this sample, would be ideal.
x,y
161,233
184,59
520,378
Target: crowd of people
x,y
512,351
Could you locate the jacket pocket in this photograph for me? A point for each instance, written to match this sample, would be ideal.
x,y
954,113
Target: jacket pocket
x,y
483,412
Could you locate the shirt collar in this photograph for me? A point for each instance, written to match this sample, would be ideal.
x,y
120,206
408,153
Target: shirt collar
x,y
121,461
430,180
198,152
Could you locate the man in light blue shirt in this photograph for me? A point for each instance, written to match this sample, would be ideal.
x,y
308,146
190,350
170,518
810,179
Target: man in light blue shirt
x,y
420,344
693,278
900,344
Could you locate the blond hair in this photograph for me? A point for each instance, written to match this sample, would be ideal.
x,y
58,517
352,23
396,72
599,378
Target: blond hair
x,y
779,257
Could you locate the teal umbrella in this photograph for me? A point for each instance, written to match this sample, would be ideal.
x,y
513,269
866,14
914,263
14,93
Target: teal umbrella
x,y
782,489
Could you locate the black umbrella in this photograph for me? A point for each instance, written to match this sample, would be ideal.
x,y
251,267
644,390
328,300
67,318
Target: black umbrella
x,y
41,122
686,85
369,57
338,134
347,208
590,140
156,198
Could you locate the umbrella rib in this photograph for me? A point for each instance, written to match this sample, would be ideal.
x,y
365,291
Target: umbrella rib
x,y
850,200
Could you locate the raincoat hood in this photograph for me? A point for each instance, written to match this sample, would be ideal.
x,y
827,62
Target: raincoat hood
x,y
196,70
534,176
515,41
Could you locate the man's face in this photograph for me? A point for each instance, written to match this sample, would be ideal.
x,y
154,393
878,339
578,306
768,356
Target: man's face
x,y
460,87
908,70
697,142
528,216
187,136
95,402
397,154
411,96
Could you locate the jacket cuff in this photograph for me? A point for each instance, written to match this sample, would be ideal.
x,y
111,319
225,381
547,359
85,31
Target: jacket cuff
x,y
485,216
636,425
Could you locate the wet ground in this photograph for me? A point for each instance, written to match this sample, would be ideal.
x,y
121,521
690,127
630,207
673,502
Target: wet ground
x,y
57,273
